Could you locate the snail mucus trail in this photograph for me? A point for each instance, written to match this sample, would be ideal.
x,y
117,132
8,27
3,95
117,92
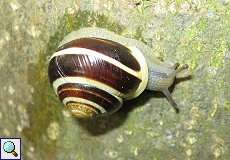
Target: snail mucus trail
x,y
94,70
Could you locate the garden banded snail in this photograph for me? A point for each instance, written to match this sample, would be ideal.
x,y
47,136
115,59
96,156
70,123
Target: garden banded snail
x,y
94,70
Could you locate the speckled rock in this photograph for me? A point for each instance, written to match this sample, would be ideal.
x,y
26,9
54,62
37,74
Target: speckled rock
x,y
194,32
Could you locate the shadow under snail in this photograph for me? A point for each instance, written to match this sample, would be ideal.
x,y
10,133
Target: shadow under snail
x,y
94,70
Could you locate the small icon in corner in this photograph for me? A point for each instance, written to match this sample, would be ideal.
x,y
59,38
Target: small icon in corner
x,y
10,149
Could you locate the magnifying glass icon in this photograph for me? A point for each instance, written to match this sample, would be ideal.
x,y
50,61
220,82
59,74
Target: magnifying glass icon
x,y
9,147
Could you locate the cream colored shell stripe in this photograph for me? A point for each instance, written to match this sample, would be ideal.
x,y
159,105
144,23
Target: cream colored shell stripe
x,y
142,74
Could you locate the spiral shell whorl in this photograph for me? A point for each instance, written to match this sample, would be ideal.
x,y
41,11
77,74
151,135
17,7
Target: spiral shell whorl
x,y
81,110
91,76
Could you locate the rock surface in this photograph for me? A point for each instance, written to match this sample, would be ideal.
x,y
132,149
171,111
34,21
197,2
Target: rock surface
x,y
194,32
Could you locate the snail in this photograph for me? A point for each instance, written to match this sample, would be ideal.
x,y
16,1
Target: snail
x,y
94,70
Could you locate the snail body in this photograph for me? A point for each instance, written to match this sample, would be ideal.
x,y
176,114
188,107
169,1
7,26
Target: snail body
x,y
94,70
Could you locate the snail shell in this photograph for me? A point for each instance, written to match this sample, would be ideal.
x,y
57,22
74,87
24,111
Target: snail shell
x,y
94,70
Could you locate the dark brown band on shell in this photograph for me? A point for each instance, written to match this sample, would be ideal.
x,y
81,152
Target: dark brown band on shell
x,y
109,48
94,68
98,92
96,96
